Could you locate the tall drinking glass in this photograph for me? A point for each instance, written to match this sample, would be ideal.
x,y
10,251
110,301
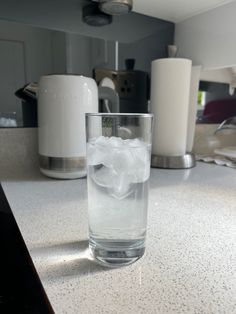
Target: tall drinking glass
x,y
118,169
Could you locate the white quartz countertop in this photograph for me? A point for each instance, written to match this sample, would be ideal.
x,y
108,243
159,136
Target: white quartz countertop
x,y
190,260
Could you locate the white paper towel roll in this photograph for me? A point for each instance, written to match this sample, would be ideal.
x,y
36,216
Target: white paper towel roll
x,y
170,87
192,112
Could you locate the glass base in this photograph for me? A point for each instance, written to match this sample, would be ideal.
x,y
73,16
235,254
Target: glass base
x,y
116,253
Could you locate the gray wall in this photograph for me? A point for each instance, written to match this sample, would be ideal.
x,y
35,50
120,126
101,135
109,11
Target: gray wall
x,y
78,54
58,52
26,53
46,52
43,48
86,53
209,38
148,49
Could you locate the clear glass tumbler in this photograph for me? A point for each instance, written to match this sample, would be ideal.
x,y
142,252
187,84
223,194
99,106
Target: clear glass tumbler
x,y
118,169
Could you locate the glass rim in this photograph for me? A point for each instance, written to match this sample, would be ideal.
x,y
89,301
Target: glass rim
x,y
112,114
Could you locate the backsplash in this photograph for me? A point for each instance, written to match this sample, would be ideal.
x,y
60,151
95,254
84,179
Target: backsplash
x,y
19,149
18,152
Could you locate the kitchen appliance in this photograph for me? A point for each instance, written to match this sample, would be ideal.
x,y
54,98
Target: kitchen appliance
x,y
63,101
132,86
28,97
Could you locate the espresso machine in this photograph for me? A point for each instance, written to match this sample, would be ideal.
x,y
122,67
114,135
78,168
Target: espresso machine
x,y
132,86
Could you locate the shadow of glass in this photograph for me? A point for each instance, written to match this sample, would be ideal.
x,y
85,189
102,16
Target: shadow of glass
x,y
66,259
169,177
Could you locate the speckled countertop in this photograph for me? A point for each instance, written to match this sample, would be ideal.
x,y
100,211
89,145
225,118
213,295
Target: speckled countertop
x,y
190,260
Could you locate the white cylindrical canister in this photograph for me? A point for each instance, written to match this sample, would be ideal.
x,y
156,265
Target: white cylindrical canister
x,y
170,89
63,101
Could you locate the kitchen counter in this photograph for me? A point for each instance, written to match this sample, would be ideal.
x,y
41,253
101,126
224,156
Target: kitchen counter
x,y
190,260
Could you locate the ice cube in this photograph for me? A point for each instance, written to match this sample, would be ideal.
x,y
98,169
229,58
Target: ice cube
x,y
95,156
97,150
121,186
103,176
102,140
135,142
117,184
125,162
115,141
121,159
140,169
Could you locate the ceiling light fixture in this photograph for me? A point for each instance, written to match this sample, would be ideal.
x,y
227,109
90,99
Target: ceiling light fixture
x,y
116,7
94,17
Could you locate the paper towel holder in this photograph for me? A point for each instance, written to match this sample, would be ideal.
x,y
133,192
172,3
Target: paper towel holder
x,y
173,162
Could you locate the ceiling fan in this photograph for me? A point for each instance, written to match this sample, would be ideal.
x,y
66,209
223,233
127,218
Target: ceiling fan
x,y
100,12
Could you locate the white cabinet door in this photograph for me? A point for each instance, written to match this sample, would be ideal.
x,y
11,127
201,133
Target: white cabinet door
x,y
12,76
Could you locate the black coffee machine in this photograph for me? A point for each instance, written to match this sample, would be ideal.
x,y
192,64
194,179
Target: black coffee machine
x,y
132,86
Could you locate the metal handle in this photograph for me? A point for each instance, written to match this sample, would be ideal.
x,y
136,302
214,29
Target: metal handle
x,y
107,93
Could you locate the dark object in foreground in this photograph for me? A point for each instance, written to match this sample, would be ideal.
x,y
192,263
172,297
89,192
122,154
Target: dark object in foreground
x,y
21,291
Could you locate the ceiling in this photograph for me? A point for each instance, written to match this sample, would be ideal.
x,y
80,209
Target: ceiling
x,y
66,15
175,10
